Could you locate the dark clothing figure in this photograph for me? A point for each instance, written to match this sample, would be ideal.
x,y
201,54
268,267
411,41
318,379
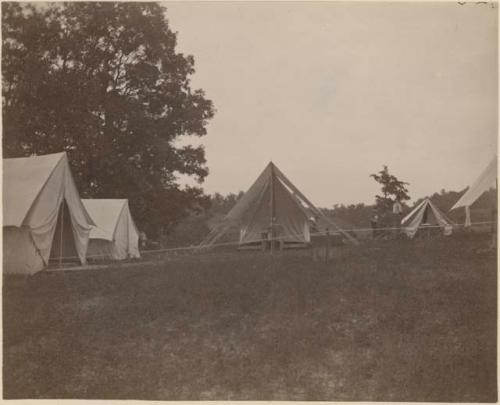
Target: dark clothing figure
x,y
142,240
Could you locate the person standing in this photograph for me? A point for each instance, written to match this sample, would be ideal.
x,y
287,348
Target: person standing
x,y
142,240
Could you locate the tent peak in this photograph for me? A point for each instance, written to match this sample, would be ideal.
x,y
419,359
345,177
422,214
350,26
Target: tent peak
x,y
292,209
271,165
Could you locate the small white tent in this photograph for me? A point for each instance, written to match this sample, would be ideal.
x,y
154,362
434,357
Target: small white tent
x,y
273,204
426,214
43,216
115,235
486,181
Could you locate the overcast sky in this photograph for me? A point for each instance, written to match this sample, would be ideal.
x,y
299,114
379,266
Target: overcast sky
x,y
332,91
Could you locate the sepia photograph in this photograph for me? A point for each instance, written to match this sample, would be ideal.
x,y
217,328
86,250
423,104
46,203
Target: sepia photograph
x,y
250,200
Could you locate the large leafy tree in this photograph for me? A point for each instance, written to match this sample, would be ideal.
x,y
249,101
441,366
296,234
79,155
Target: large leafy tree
x,y
104,82
392,189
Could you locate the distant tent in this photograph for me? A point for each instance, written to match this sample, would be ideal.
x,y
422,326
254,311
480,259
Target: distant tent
x,y
273,204
35,228
115,235
486,181
426,214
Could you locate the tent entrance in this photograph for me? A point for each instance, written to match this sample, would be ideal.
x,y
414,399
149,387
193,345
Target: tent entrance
x,y
273,201
427,219
426,212
63,248
277,237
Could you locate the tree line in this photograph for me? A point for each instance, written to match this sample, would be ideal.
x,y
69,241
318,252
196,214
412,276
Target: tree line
x,y
191,230
104,82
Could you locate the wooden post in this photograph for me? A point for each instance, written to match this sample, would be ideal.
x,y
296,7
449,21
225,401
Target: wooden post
x,y
327,250
494,216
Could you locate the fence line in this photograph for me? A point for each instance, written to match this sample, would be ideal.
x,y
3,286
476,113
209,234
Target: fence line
x,y
273,239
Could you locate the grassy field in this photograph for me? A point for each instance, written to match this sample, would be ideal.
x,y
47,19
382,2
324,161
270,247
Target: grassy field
x,y
392,321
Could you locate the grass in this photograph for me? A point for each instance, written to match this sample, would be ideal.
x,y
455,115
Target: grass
x,y
391,321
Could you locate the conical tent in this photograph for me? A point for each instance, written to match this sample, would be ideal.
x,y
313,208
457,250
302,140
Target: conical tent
x,y
43,216
486,181
274,204
425,214
115,235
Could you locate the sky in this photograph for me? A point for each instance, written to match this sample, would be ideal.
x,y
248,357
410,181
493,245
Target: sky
x,y
331,92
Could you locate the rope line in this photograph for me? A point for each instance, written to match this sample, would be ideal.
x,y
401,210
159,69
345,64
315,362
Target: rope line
x,y
234,243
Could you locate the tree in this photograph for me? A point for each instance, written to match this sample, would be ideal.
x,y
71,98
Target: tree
x,y
220,204
352,215
392,190
103,82
192,229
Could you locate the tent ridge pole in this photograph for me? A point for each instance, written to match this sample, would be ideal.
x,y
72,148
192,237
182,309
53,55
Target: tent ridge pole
x,y
61,237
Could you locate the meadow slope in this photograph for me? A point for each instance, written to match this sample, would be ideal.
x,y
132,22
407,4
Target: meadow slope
x,y
391,321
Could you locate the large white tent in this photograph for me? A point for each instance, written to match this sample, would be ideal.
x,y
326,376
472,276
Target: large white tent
x,y
425,214
486,181
115,235
273,204
43,216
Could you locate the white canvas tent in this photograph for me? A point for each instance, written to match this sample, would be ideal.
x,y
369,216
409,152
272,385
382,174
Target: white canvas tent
x,y
426,214
486,181
43,216
273,204
115,235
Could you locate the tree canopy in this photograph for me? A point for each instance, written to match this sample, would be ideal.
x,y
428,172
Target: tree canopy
x,y
103,81
392,189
